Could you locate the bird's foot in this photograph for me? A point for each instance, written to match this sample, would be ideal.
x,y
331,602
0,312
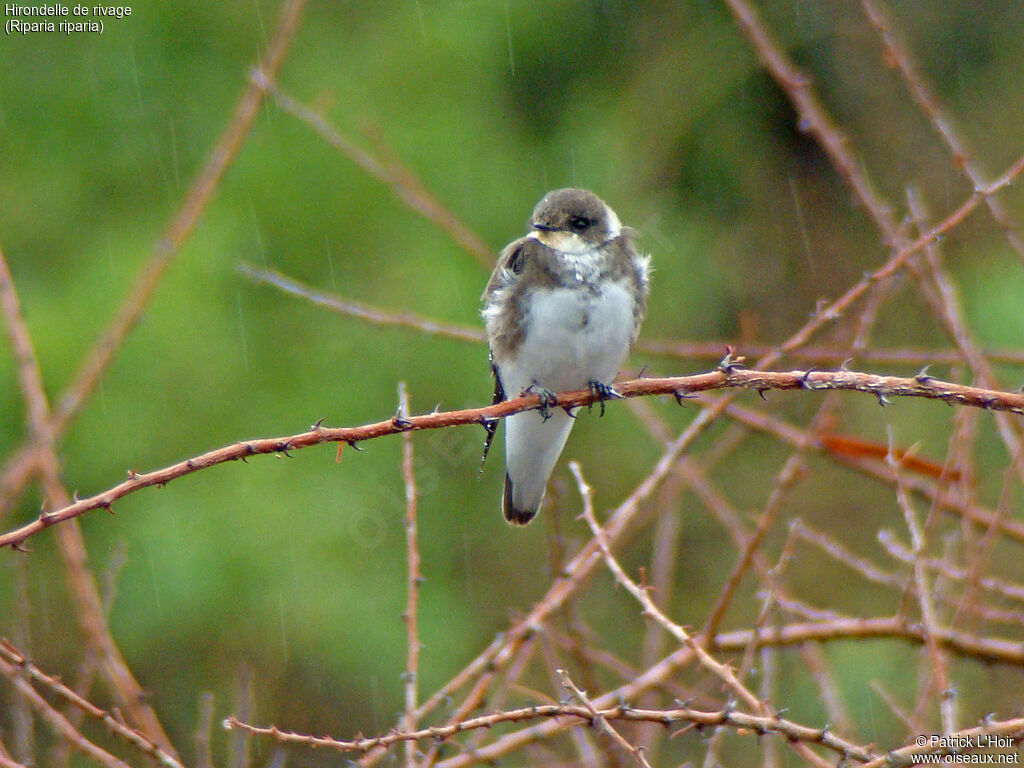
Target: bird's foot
x,y
548,399
602,392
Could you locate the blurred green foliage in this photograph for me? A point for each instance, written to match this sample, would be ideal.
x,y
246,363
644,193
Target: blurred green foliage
x,y
294,567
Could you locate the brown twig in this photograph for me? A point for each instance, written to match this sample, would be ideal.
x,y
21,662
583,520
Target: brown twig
x,y
922,588
897,55
406,185
723,672
792,634
364,311
82,582
204,731
6,761
882,387
678,348
940,493
14,657
29,376
55,720
812,116
412,659
999,587
600,721
946,308
488,664
19,469
556,712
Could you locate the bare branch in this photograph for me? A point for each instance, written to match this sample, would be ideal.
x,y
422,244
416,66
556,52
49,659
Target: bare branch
x,y
702,719
650,609
882,387
363,311
19,469
412,663
923,590
87,600
13,656
898,55
57,722
600,721
406,185
684,349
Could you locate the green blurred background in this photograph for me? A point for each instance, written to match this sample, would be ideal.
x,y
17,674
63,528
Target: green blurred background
x,y
294,568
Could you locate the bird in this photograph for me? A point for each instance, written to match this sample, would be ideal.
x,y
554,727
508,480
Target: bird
x,y
562,309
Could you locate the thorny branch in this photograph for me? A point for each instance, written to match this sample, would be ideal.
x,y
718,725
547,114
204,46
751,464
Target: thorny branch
x,y
728,376
14,657
729,717
411,615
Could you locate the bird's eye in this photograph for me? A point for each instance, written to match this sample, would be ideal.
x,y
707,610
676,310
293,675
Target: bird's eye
x,y
579,223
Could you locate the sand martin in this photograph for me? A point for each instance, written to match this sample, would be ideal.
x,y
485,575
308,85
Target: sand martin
x,y
562,309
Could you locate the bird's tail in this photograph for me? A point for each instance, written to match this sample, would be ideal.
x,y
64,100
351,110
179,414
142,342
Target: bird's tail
x,y
532,447
512,513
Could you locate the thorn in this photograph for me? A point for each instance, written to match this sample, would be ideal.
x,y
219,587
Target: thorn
x,y
400,419
761,393
922,375
353,444
731,361
19,546
805,380
821,310
317,424
74,496
490,426
882,399
845,367
643,373
132,474
682,394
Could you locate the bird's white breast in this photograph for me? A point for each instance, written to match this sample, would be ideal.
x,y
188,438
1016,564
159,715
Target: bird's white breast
x,y
573,336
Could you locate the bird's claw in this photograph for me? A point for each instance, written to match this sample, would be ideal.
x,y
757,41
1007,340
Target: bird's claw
x,y
602,392
548,399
